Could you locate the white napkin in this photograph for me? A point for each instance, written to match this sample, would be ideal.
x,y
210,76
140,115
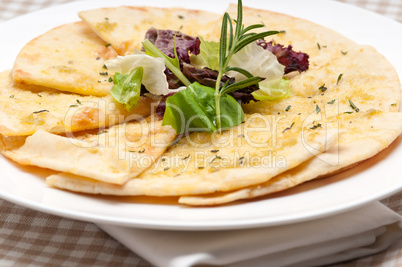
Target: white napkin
x,y
353,234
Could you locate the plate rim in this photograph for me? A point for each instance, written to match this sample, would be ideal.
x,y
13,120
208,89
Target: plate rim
x,y
188,226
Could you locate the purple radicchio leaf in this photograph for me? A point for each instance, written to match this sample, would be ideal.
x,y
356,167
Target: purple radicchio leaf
x,y
208,77
293,61
165,40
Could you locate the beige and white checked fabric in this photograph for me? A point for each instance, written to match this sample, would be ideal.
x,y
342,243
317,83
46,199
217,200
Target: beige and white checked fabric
x,y
32,238
389,8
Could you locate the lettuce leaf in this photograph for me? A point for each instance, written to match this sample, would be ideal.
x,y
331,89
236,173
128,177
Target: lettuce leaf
x,y
154,78
273,90
193,109
208,57
127,88
253,58
258,61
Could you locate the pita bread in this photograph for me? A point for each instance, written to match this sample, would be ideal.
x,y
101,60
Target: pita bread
x,y
319,42
125,27
67,58
368,80
239,157
113,155
364,137
24,109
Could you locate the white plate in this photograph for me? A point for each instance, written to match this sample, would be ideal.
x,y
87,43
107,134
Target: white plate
x,y
372,180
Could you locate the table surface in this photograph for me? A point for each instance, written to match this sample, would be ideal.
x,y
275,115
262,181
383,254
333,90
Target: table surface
x,y
29,237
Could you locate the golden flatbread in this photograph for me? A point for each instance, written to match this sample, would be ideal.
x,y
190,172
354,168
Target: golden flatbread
x,y
24,109
200,163
125,27
67,58
365,136
113,155
319,42
363,78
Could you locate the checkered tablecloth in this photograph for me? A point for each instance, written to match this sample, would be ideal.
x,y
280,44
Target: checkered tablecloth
x,y
32,238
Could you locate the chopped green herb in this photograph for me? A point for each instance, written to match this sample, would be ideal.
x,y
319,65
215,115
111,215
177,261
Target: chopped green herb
x,y
107,45
104,73
353,106
216,157
39,95
180,17
79,102
41,111
394,104
97,58
317,109
287,109
99,81
214,150
319,46
106,18
139,151
322,88
186,157
331,102
110,79
104,66
339,78
71,106
165,169
348,112
316,126
290,127
241,160
104,131
11,96
344,53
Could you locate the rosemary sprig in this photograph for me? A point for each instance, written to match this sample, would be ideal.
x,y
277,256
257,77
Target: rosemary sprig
x,y
228,46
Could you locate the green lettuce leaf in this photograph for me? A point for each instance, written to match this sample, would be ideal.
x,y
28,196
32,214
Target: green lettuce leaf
x,y
258,61
127,88
209,55
193,109
273,90
154,78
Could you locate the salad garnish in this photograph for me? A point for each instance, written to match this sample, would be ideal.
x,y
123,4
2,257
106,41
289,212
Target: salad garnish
x,y
202,84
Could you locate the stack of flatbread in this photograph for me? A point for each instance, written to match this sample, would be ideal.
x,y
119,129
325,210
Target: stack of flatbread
x,y
56,112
